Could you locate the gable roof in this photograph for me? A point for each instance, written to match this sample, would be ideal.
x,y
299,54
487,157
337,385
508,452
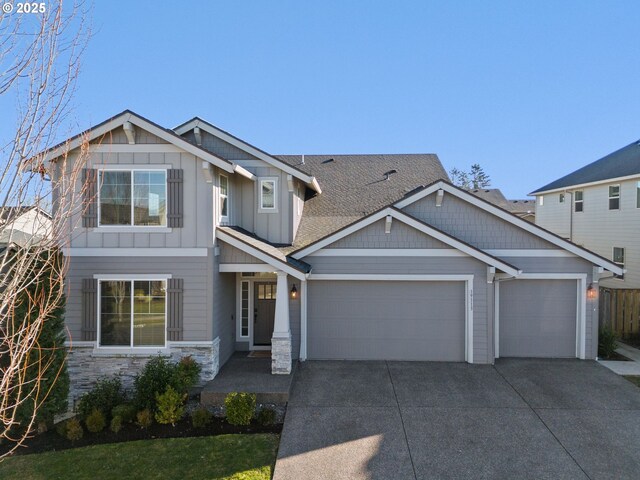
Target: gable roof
x,y
310,181
617,165
513,219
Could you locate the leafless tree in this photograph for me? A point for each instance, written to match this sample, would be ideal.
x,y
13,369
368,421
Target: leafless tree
x,y
39,65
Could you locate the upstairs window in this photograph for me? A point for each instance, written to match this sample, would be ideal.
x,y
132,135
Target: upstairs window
x,y
638,195
224,198
268,194
561,198
618,259
133,198
614,197
578,201
541,200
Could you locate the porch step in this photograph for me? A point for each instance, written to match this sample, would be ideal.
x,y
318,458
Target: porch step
x,y
251,375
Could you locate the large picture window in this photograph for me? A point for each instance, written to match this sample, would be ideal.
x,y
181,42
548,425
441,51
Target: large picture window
x,y
133,198
132,313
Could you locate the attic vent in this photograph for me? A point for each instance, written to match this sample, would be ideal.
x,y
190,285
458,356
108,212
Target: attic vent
x,y
329,160
389,173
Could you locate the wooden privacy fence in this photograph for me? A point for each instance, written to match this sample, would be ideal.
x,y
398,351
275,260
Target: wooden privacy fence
x,y
621,310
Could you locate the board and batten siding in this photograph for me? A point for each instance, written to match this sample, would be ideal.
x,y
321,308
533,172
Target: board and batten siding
x,y
194,271
600,229
224,309
118,137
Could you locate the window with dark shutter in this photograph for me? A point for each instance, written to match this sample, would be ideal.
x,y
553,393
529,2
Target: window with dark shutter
x,y
89,309
174,309
89,198
175,195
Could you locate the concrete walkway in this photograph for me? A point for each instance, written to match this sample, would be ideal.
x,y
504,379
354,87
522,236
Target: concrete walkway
x,y
542,419
622,367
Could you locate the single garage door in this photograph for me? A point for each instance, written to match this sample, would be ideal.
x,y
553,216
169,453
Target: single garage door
x,y
538,318
386,320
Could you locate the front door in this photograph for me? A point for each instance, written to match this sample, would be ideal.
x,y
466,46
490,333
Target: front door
x,y
263,312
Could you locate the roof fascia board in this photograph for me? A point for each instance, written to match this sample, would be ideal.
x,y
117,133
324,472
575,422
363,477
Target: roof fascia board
x,y
213,130
578,186
260,255
513,219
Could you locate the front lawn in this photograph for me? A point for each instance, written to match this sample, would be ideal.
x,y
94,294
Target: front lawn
x,y
228,457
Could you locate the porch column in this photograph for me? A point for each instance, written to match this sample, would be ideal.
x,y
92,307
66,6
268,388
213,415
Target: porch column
x,y
281,340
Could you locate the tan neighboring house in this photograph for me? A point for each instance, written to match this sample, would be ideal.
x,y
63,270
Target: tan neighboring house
x,y
598,207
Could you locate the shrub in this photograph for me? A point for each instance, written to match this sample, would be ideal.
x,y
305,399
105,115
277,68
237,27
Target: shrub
x,y
158,374
201,417
606,342
116,424
266,416
144,418
106,394
170,406
240,408
125,411
74,429
95,421
61,428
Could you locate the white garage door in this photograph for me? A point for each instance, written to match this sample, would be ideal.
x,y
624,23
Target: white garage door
x,y
386,320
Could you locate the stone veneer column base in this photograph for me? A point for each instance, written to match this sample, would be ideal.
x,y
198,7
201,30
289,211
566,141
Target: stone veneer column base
x,y
281,355
86,364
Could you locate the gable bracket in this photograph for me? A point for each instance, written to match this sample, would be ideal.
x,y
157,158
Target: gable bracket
x,y
387,224
439,197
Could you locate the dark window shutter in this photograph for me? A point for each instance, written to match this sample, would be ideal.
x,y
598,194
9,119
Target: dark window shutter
x,y
89,309
174,309
175,192
89,197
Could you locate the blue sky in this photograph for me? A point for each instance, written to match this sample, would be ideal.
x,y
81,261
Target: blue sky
x,y
530,90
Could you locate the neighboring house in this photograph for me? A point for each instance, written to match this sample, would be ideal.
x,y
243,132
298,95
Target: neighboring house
x,y
522,208
192,241
24,226
598,207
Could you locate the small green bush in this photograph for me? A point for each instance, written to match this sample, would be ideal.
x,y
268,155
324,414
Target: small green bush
x,y
125,411
74,429
606,342
158,374
240,407
116,424
95,421
106,394
144,418
61,428
266,416
201,417
170,406
187,374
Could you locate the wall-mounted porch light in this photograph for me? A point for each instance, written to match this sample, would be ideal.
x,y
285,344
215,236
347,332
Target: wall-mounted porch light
x,y
294,292
591,292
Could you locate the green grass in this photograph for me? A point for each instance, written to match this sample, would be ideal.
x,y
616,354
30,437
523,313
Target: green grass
x,y
633,379
224,457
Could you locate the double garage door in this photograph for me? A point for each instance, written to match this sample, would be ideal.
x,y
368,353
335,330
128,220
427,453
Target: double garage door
x,y
426,321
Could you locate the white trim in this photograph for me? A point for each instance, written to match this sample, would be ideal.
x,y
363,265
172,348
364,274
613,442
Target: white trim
x,y
239,336
402,217
135,276
254,252
244,172
525,225
138,148
303,320
467,279
192,343
245,267
131,166
530,253
131,229
388,252
276,193
134,252
581,311
207,127
589,184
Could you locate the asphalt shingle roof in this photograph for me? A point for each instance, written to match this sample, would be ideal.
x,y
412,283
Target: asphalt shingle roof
x,y
621,163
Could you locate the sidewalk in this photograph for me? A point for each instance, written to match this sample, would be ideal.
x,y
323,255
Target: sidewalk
x,y
621,367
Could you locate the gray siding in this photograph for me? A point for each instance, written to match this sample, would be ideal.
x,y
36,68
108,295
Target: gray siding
x,y
473,225
194,271
229,254
224,311
401,236
219,147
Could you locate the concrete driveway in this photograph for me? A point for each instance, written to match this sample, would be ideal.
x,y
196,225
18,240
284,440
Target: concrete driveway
x,y
536,419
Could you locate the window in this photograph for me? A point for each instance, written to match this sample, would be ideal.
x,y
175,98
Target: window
x,y
132,313
541,200
244,310
133,197
578,201
614,197
618,259
268,194
224,198
638,195
561,198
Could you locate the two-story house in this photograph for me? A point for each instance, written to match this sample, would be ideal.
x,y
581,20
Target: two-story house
x,y
598,207
193,242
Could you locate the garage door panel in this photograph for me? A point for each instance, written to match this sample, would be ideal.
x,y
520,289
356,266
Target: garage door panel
x,y
538,318
386,320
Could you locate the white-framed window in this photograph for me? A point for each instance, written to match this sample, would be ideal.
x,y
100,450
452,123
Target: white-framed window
x,y
618,259
224,198
614,197
541,200
244,309
132,198
268,194
638,195
132,313
578,201
561,198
